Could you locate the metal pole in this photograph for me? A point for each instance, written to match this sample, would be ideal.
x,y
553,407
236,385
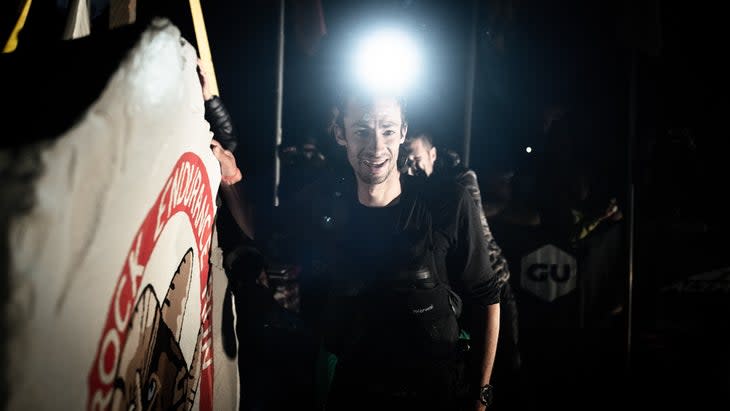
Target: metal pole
x,y
633,107
470,75
279,102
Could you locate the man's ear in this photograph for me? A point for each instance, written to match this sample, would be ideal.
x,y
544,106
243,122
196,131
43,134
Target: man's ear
x,y
340,135
434,153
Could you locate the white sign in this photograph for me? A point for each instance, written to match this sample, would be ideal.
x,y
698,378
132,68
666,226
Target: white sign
x,y
549,273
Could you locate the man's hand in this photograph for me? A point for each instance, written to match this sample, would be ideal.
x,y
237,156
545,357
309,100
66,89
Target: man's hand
x,y
230,173
479,406
612,211
202,76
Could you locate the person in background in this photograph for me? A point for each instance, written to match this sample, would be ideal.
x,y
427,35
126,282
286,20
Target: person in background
x,y
423,159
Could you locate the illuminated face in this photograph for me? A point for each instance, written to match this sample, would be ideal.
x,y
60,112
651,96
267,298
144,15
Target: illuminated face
x,y
372,133
421,157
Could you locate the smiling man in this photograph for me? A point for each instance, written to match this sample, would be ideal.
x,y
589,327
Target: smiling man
x,y
389,271
372,133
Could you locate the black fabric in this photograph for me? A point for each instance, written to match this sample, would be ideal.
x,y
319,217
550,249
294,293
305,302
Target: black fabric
x,y
373,386
376,307
458,244
363,288
274,344
461,251
221,123
275,349
468,178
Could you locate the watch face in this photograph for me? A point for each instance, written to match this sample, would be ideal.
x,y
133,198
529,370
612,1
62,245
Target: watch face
x,y
485,395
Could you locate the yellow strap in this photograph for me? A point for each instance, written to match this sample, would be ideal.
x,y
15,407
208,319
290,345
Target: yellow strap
x,y
12,42
201,37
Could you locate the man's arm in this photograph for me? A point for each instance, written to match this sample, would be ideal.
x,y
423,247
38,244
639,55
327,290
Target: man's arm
x,y
231,189
223,144
216,114
489,344
496,258
477,283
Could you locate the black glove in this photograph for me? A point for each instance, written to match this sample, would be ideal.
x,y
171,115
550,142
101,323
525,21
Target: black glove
x,y
221,123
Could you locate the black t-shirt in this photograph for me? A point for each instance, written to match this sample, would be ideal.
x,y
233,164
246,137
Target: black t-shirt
x,y
354,257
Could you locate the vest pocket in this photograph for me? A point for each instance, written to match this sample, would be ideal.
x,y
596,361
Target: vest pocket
x,y
431,315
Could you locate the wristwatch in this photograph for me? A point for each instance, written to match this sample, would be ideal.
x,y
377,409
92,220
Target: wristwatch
x,y
486,395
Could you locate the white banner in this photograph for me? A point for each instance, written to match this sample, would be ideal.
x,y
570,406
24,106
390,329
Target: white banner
x,y
112,305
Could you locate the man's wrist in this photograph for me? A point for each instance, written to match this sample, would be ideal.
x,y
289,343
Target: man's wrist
x,y
486,394
232,179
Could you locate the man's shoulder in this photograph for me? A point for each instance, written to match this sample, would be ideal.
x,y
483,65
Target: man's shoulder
x,y
461,174
467,177
447,186
443,194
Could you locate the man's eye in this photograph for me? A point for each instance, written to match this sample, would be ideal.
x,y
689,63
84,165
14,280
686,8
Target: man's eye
x,y
389,132
362,133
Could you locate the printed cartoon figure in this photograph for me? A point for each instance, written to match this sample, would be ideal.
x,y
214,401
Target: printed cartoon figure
x,y
152,372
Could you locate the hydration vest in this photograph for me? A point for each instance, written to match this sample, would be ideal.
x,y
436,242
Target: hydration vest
x,y
405,309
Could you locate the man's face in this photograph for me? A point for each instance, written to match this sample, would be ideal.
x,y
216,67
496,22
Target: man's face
x,y
372,133
421,157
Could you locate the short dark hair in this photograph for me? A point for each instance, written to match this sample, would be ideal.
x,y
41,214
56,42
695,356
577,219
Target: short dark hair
x,y
420,134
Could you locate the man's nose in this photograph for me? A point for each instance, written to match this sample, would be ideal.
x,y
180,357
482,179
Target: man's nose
x,y
377,143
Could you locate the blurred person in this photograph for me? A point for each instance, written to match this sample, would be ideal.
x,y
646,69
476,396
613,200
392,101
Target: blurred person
x,y
586,218
274,344
567,199
300,165
502,206
391,270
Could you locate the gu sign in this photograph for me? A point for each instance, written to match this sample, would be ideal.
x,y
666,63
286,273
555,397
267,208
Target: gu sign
x,y
549,273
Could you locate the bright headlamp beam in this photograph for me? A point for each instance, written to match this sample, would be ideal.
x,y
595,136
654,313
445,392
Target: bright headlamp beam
x,y
387,61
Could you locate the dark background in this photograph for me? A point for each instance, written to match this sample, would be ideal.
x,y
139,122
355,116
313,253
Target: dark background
x,y
633,73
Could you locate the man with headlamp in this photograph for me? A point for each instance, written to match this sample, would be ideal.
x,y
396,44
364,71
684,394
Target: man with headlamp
x,y
393,269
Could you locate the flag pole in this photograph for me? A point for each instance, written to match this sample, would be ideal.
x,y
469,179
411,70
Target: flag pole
x,y
201,38
279,101
12,42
